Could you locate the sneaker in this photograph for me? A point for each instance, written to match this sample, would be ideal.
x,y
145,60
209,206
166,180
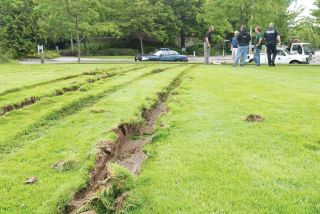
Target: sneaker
x,y
273,64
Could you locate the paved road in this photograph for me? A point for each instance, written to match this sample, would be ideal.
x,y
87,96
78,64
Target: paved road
x,y
192,59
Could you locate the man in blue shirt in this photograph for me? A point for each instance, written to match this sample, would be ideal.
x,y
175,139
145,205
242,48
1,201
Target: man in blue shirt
x,y
244,39
272,37
234,44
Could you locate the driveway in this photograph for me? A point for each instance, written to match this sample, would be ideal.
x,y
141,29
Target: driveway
x,y
192,59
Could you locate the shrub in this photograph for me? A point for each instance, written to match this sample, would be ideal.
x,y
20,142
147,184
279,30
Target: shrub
x,y
116,52
47,55
4,57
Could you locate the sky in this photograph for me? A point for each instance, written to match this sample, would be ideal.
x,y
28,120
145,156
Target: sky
x,y
307,4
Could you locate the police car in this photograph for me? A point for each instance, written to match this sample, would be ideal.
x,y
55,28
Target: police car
x,y
283,57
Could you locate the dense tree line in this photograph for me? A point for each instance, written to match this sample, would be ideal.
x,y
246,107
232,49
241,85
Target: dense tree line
x,y
25,23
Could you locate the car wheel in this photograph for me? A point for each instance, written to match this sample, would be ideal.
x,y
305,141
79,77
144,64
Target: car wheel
x,y
295,62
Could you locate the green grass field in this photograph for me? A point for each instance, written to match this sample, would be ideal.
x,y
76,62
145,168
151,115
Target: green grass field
x,y
203,158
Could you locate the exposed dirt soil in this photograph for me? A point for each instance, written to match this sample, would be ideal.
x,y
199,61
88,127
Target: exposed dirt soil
x,y
28,101
124,151
127,150
254,118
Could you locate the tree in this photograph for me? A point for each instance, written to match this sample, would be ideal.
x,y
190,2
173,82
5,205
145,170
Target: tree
x,y
306,31
139,19
232,14
316,12
18,27
187,12
69,17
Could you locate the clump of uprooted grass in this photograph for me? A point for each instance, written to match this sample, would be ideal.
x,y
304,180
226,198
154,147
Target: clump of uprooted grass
x,y
116,196
65,165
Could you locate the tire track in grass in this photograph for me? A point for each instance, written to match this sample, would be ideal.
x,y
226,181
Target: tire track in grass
x,y
20,121
19,102
66,105
13,90
124,151
75,137
37,129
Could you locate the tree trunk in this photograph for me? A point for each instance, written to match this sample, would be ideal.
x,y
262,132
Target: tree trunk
x,y
42,57
141,43
78,39
71,43
85,46
183,39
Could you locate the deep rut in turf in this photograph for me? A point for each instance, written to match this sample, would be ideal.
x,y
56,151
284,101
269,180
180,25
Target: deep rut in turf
x,y
95,76
71,109
124,150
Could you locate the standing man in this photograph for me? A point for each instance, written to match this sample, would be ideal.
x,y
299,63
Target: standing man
x,y
258,45
272,37
234,45
244,39
207,41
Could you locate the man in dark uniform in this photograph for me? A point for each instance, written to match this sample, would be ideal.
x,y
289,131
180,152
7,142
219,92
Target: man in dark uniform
x,y
272,38
207,41
244,39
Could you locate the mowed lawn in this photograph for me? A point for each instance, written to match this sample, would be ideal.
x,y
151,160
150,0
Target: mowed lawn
x,y
204,156
207,159
69,127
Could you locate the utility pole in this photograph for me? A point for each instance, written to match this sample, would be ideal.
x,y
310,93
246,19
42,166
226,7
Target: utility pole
x,y
41,52
251,20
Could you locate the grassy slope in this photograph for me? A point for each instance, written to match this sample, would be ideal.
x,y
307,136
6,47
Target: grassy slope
x,y
19,76
49,89
51,108
208,159
74,138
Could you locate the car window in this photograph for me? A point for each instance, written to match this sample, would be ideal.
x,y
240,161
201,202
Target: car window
x,y
158,53
297,48
281,53
307,48
286,52
165,53
173,53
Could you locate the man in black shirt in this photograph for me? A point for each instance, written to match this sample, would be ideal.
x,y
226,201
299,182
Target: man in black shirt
x,y
244,39
272,37
207,41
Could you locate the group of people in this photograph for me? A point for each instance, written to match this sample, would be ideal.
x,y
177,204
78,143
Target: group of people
x,y
241,41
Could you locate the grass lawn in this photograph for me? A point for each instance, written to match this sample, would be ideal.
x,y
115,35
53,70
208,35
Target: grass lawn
x,y
207,159
204,156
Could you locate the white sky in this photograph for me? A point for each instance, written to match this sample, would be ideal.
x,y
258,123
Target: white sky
x,y
307,4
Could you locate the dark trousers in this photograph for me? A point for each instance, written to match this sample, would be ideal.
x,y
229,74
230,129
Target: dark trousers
x,y
272,52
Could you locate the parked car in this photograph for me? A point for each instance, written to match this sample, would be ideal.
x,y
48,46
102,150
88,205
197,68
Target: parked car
x,y
164,54
283,57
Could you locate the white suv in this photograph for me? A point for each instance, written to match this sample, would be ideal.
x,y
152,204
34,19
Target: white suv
x,y
283,57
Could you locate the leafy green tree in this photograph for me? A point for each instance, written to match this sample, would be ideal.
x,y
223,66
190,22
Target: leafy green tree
x,y
18,27
79,19
75,17
232,14
316,12
306,31
139,20
186,12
